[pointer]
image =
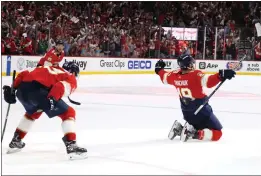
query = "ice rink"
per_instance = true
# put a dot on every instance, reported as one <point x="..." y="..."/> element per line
<point x="124" y="122"/>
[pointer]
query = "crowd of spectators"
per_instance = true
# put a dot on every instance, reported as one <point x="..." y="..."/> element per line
<point x="127" y="29"/>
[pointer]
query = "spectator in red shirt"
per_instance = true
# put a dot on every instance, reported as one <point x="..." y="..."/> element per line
<point x="26" y="45"/>
<point x="12" y="45"/>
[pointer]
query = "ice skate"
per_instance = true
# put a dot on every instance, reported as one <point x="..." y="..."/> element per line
<point x="74" y="152"/>
<point x="16" y="144"/>
<point x="188" y="132"/>
<point x="175" y="130"/>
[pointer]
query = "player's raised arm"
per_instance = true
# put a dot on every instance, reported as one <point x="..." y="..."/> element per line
<point x="166" y="77"/>
<point x="210" y="81"/>
<point x="44" y="58"/>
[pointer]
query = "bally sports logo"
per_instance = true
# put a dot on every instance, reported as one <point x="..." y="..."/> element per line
<point x="234" y="65"/>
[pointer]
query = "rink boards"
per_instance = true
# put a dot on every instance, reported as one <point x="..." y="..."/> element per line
<point x="99" y="65"/>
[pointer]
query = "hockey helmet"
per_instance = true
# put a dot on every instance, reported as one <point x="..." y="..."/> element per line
<point x="72" y="68"/>
<point x="186" y="61"/>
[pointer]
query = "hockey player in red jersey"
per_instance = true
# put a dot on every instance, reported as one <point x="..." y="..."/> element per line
<point x="54" y="56"/>
<point x="41" y="90"/>
<point x="189" y="84"/>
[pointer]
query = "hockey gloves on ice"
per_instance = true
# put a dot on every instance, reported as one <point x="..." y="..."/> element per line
<point x="9" y="95"/>
<point x="159" y="66"/>
<point x="226" y="74"/>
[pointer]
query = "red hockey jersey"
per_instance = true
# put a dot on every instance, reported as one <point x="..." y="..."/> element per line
<point x="61" y="82"/>
<point x="189" y="85"/>
<point x="51" y="58"/>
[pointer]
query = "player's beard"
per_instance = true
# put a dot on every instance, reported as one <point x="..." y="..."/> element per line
<point x="192" y="67"/>
<point x="59" y="49"/>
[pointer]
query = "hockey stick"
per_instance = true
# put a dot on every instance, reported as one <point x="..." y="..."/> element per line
<point x="8" y="108"/>
<point x="73" y="102"/>
<point x="214" y="91"/>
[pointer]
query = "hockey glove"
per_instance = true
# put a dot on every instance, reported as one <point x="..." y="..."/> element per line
<point x="52" y="102"/>
<point x="9" y="95"/>
<point x="159" y="66"/>
<point x="226" y="74"/>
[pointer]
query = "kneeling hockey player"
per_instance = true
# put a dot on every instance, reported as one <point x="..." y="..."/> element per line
<point x="189" y="84"/>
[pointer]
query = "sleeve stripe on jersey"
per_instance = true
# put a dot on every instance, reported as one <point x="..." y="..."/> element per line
<point x="165" y="76"/>
<point x="204" y="81"/>
<point x="67" y="88"/>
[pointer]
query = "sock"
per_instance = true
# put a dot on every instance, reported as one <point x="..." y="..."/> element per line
<point x="209" y="135"/>
<point x="24" y="126"/>
<point x="68" y="127"/>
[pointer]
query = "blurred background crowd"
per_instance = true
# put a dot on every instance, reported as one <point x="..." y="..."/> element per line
<point x="130" y="29"/>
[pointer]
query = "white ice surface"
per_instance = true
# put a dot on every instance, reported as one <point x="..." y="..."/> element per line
<point x="124" y="121"/>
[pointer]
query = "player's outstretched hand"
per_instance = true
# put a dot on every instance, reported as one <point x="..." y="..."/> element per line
<point x="226" y="74"/>
<point x="9" y="95"/>
<point x="159" y="66"/>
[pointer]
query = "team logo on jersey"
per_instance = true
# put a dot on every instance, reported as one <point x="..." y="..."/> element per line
<point x="234" y="65"/>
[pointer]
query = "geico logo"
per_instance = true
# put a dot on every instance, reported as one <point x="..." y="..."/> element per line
<point x="139" y="64"/>
<point x="116" y="63"/>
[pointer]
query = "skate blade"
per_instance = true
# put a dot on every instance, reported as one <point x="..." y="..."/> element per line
<point x="183" y="136"/>
<point x="13" y="150"/>
<point x="77" y="156"/>
<point x="172" y="134"/>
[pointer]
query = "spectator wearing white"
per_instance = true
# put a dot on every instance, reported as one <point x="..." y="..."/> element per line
<point x="26" y="45"/>
<point x="258" y="28"/>
<point x="51" y="43"/>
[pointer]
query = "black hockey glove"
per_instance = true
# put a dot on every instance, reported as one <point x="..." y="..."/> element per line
<point x="159" y="66"/>
<point x="52" y="102"/>
<point x="9" y="95"/>
<point x="226" y="74"/>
